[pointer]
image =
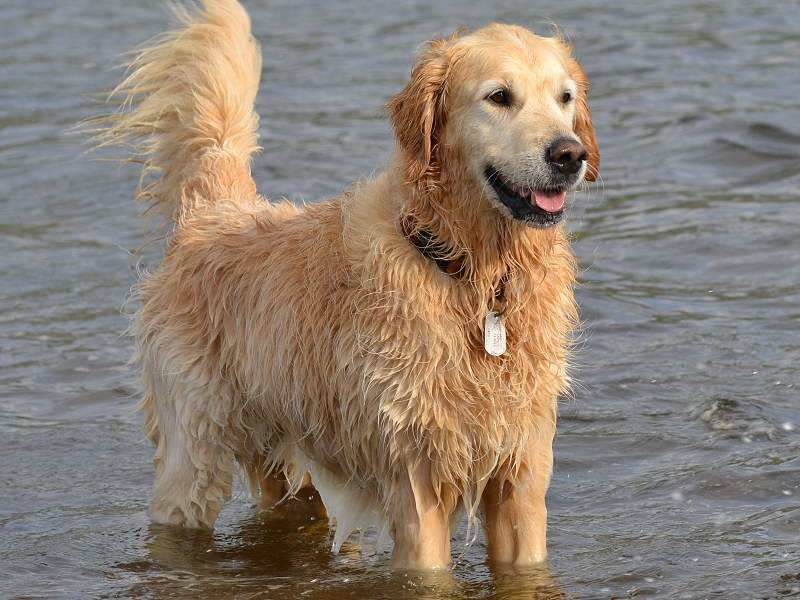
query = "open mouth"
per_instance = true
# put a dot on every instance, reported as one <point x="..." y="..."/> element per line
<point x="537" y="207"/>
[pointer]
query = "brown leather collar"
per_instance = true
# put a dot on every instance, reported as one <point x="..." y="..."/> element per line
<point x="426" y="243"/>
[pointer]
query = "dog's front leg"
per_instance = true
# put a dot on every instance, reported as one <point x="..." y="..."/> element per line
<point x="420" y="522"/>
<point x="515" y="512"/>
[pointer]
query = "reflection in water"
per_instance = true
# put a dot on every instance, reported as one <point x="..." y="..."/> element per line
<point x="286" y="555"/>
<point x="523" y="584"/>
<point x="262" y="553"/>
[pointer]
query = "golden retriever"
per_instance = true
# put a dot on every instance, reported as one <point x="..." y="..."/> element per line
<point x="403" y="344"/>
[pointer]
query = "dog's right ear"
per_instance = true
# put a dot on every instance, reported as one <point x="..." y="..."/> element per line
<point x="417" y="111"/>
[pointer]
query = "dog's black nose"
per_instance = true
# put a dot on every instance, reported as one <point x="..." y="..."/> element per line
<point x="566" y="155"/>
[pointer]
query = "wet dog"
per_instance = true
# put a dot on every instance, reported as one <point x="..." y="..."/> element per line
<point x="403" y="344"/>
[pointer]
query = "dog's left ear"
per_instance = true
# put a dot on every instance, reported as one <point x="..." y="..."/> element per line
<point x="583" y="121"/>
<point x="417" y="111"/>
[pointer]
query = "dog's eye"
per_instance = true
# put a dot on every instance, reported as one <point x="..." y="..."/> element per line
<point x="501" y="97"/>
<point x="566" y="97"/>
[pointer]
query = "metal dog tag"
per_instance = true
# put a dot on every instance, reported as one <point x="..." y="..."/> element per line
<point x="494" y="334"/>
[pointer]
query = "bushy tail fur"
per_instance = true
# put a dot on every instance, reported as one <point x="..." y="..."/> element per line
<point x="188" y="110"/>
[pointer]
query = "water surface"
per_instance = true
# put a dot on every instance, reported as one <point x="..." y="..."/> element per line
<point x="677" y="471"/>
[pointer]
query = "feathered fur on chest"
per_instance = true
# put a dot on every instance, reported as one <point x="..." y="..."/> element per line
<point x="423" y="310"/>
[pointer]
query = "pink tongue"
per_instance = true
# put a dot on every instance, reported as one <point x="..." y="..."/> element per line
<point x="551" y="202"/>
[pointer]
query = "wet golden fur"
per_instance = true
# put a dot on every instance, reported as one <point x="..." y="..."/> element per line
<point x="317" y="338"/>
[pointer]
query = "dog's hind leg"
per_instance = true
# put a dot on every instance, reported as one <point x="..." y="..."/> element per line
<point x="194" y="461"/>
<point x="267" y="485"/>
<point x="273" y="487"/>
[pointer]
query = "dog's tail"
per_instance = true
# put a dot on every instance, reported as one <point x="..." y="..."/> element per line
<point x="188" y="111"/>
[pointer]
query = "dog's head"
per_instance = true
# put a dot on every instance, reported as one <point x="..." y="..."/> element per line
<point x="505" y="108"/>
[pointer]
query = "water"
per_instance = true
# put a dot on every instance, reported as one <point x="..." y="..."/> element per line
<point x="677" y="471"/>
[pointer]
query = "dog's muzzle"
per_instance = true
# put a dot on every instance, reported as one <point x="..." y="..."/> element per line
<point x="542" y="206"/>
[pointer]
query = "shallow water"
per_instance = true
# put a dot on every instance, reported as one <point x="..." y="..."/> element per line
<point x="677" y="471"/>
